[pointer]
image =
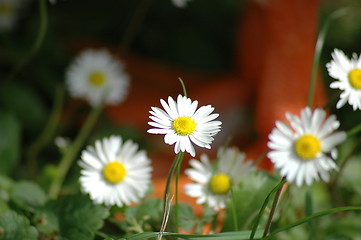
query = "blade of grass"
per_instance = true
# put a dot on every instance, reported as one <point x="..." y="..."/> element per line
<point x="312" y="217"/>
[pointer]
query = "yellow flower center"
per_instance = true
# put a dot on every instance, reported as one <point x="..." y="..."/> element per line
<point x="354" y="78"/>
<point x="184" y="125"/>
<point x="220" y="183"/>
<point x="5" y="9"/>
<point x="97" y="79"/>
<point x="307" y="146"/>
<point x="114" y="172"/>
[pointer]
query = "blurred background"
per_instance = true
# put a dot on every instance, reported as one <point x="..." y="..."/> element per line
<point x="251" y="60"/>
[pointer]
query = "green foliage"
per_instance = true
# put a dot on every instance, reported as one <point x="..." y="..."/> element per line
<point x="9" y="142"/>
<point x="73" y="217"/>
<point x="25" y="104"/>
<point x="248" y="199"/>
<point x="28" y="195"/>
<point x="14" y="226"/>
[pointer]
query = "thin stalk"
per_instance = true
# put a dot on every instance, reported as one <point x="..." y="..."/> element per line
<point x="47" y="133"/>
<point x="134" y="24"/>
<point x="72" y="152"/>
<point x="273" y="209"/>
<point x="318" y="51"/>
<point x="261" y="211"/>
<point x="37" y="43"/>
<point x="176" y="193"/>
<point x="234" y="212"/>
<point x="183" y="87"/>
<point x="353" y="131"/>
<point x="178" y="158"/>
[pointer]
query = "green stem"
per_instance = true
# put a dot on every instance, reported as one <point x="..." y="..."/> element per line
<point x="273" y="209"/>
<point x="47" y="133"/>
<point x="177" y="160"/>
<point x="134" y="24"/>
<point x="234" y="212"/>
<point x="37" y="43"/>
<point x="72" y="152"/>
<point x="261" y="211"/>
<point x="183" y="87"/>
<point x="354" y="131"/>
<point x="318" y="51"/>
<point x="176" y="194"/>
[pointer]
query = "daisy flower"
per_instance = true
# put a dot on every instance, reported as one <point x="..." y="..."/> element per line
<point x="9" y="13"/>
<point x="98" y="77"/>
<point x="115" y="172"/>
<point x="305" y="150"/>
<point x="180" y="3"/>
<point x="182" y="124"/>
<point x="348" y="75"/>
<point x="212" y="183"/>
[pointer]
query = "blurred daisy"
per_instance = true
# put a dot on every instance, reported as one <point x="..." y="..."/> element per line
<point x="182" y="124"/>
<point x="9" y="10"/>
<point x="304" y="151"/>
<point x="212" y="184"/>
<point x="348" y="75"/>
<point x="98" y="77"/>
<point x="180" y="3"/>
<point x="115" y="172"/>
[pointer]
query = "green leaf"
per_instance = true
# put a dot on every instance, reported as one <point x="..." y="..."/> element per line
<point x="14" y="226"/>
<point x="77" y="216"/>
<point x="9" y="142"/>
<point x="46" y="222"/>
<point x="239" y="235"/>
<point x="187" y="219"/>
<point x="28" y="195"/>
<point x="248" y="198"/>
<point x="312" y="217"/>
<point x="5" y="186"/>
<point x="25" y="104"/>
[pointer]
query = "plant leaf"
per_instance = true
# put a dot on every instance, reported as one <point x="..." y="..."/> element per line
<point x="28" y="195"/>
<point x="9" y="143"/>
<point x="77" y="216"/>
<point x="15" y="226"/>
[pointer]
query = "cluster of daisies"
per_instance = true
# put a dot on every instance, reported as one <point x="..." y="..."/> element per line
<point x="117" y="172"/>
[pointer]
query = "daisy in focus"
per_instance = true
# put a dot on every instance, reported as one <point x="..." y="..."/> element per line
<point x="182" y="124"/>
<point x="304" y="151"/>
<point x="9" y="13"/>
<point x="98" y="77"/>
<point x="115" y="172"/>
<point x="212" y="184"/>
<point x="348" y="75"/>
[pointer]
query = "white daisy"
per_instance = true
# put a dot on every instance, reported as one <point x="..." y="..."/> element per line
<point x="98" y="77"/>
<point x="213" y="183"/>
<point x="9" y="13"/>
<point x="348" y="75"/>
<point x="182" y="124"/>
<point x="115" y="172"/>
<point x="180" y="3"/>
<point x="304" y="151"/>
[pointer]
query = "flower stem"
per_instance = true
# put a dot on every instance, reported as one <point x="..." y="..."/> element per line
<point x="176" y="163"/>
<point x="134" y="24"/>
<point x="318" y="50"/>
<point x="183" y="87"/>
<point x="354" y="131"/>
<point x="72" y="152"/>
<point x="274" y="205"/>
<point x="47" y="133"/>
<point x="176" y="194"/>
<point x="234" y="212"/>
<point x="37" y="43"/>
